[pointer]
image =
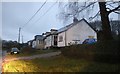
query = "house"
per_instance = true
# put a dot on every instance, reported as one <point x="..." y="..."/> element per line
<point x="30" y="43"/>
<point x="75" y="33"/>
<point x="51" y="38"/>
<point x="38" y="42"/>
<point x="34" y="44"/>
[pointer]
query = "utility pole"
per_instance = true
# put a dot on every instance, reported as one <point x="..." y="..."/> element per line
<point x="19" y="35"/>
<point x="22" y="39"/>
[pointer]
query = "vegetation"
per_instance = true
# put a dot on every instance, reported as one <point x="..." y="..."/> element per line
<point x="98" y="57"/>
<point x="106" y="32"/>
<point x="80" y="9"/>
<point x="105" y="51"/>
<point x="59" y="64"/>
<point x="7" y="45"/>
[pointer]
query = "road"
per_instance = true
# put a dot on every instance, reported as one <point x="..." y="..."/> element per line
<point x="46" y="55"/>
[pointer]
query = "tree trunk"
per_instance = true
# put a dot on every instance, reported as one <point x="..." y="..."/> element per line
<point x="106" y="29"/>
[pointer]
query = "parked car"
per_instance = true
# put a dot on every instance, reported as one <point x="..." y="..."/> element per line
<point x="89" y="41"/>
<point x="15" y="51"/>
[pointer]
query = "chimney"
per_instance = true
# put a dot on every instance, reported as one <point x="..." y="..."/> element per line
<point x="75" y="20"/>
<point x="53" y="30"/>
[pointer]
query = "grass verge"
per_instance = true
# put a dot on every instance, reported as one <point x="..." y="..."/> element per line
<point x="59" y="64"/>
<point x="105" y="51"/>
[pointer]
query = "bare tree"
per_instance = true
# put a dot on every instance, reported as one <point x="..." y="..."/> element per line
<point x="74" y="9"/>
<point x="107" y="35"/>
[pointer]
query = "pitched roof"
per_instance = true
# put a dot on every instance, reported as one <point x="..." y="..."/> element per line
<point x="39" y="37"/>
<point x="50" y="33"/>
<point x="73" y="24"/>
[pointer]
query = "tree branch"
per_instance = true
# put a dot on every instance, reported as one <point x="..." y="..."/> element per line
<point x="117" y="12"/>
<point x="113" y="10"/>
<point x="111" y="5"/>
<point x="85" y="7"/>
<point x="91" y="18"/>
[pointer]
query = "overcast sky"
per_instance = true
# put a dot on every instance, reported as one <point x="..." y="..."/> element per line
<point x="16" y="14"/>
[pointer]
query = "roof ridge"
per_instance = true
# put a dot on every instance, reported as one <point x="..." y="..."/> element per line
<point x="69" y="26"/>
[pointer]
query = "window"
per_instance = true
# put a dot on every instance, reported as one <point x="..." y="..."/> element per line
<point x="60" y="38"/>
<point x="40" y="41"/>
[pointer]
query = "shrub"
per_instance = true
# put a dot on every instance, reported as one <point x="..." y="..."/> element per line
<point x="55" y="48"/>
<point x="105" y="51"/>
<point x="28" y="49"/>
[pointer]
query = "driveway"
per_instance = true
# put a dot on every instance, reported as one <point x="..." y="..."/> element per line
<point x="46" y="55"/>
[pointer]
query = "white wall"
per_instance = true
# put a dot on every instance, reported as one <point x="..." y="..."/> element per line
<point x="34" y="44"/>
<point x="81" y="31"/>
<point x="52" y="40"/>
<point x="39" y="44"/>
<point x="48" y="41"/>
<point x="29" y="43"/>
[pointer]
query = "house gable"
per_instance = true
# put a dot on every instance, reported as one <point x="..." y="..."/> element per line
<point x="73" y="24"/>
<point x="76" y="32"/>
<point x="79" y="32"/>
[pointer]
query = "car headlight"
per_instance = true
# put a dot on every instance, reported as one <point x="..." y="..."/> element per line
<point x="15" y="52"/>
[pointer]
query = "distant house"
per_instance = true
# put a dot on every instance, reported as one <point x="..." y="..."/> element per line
<point x="33" y="44"/>
<point x="38" y="42"/>
<point x="30" y="43"/>
<point x="75" y="33"/>
<point x="51" y="38"/>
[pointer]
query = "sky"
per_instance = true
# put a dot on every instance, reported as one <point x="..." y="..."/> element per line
<point x="16" y="14"/>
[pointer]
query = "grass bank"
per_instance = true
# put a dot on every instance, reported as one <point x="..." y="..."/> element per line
<point x="107" y="51"/>
<point x="59" y="64"/>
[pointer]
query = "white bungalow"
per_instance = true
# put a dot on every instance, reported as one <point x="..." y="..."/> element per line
<point x="51" y="39"/>
<point x="75" y="33"/>
<point x="38" y="42"/>
<point x="34" y="44"/>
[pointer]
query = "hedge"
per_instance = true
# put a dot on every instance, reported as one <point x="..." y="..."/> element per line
<point x="105" y="51"/>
